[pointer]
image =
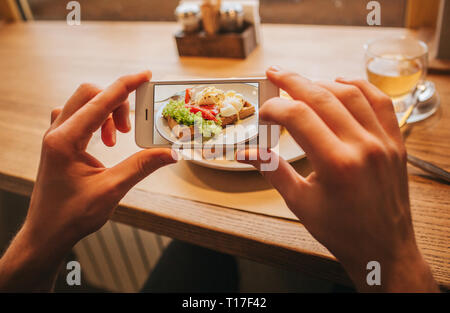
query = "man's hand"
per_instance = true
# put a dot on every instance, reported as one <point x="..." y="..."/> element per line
<point x="356" y="200"/>
<point x="74" y="194"/>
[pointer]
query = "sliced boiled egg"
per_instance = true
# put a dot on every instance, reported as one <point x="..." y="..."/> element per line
<point x="234" y="99"/>
<point x="228" y="110"/>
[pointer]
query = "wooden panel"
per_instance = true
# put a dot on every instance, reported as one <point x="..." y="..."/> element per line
<point x="327" y="12"/>
<point x="421" y="13"/>
<point x="122" y="10"/>
<point x="443" y="33"/>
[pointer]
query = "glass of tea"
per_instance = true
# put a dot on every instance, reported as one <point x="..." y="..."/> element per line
<point x="397" y="66"/>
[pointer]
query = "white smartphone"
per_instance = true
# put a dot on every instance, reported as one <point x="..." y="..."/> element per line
<point x="203" y="113"/>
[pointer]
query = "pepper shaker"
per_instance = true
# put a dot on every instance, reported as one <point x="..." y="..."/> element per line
<point x="231" y="17"/>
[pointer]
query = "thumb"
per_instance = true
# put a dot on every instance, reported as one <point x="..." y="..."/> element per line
<point x="129" y="172"/>
<point x="280" y="174"/>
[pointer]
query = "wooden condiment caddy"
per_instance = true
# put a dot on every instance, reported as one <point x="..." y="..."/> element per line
<point x="220" y="45"/>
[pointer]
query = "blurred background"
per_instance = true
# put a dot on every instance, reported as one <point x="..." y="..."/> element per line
<point x="327" y="12"/>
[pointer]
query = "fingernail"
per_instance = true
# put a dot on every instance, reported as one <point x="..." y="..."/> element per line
<point x="274" y="68"/>
<point x="147" y="73"/>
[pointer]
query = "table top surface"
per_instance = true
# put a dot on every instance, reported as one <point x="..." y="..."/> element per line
<point x="42" y="63"/>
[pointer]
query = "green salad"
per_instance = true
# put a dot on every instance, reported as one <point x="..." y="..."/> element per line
<point x="182" y="115"/>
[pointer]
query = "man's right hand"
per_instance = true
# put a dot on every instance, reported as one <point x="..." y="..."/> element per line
<point x="356" y="200"/>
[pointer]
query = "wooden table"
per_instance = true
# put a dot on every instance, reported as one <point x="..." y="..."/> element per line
<point x="42" y="63"/>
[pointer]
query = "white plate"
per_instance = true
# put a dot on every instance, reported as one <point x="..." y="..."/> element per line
<point x="249" y="124"/>
<point x="289" y="150"/>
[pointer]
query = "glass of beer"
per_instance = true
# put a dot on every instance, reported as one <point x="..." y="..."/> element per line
<point x="397" y="66"/>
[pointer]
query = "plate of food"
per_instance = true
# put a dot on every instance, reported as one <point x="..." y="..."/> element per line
<point x="216" y="113"/>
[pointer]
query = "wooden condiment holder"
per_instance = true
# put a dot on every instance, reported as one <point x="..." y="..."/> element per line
<point x="221" y="45"/>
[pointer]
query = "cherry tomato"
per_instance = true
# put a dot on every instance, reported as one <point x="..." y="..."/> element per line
<point x="206" y="114"/>
<point x="187" y="97"/>
<point x="212" y="108"/>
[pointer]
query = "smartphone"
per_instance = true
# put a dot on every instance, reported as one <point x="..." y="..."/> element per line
<point x="204" y="113"/>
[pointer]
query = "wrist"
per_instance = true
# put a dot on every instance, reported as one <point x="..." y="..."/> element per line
<point x="409" y="274"/>
<point x="406" y="271"/>
<point x="31" y="262"/>
<point x="46" y="241"/>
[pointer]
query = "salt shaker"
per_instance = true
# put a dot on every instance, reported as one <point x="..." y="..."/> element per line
<point x="188" y="14"/>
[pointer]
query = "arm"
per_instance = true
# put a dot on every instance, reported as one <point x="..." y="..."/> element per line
<point x="75" y="194"/>
<point x="355" y="202"/>
<point x="29" y="264"/>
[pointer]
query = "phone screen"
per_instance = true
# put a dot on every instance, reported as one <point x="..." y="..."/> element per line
<point x="210" y="114"/>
